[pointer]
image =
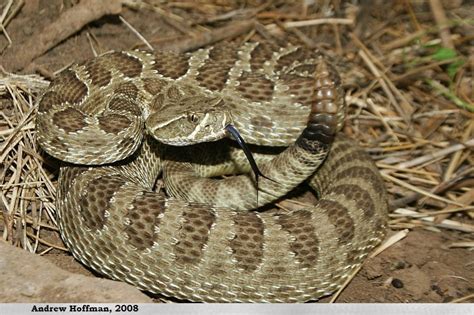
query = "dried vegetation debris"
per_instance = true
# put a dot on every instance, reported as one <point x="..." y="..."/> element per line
<point x="407" y="67"/>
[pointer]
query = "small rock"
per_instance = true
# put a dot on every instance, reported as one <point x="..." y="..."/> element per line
<point x="29" y="278"/>
<point x="397" y="283"/>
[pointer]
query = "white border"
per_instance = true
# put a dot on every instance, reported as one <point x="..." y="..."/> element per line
<point x="265" y="309"/>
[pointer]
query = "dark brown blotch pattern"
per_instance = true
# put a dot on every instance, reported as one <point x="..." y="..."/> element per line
<point x="71" y="88"/>
<point x="305" y="244"/>
<point x="194" y="234"/>
<point x="255" y="87"/>
<point x="171" y="65"/>
<point x="96" y="200"/>
<point x="119" y="103"/>
<point x="154" y="85"/>
<point x="68" y="175"/>
<point x="124" y="99"/>
<point x="50" y="99"/>
<point x="99" y="71"/>
<point x="130" y="66"/>
<point x="339" y="216"/>
<point x="297" y="55"/>
<point x="359" y="195"/>
<point x="306" y="69"/>
<point x="214" y="73"/>
<point x="144" y="218"/>
<point x="226" y="52"/>
<point x="114" y="123"/>
<point x="69" y="119"/>
<point x="341" y="155"/>
<point x="157" y="102"/>
<point x="302" y="88"/>
<point x="247" y="246"/>
<point x="366" y="174"/>
<point x="128" y="89"/>
<point x="173" y="93"/>
<point x="261" y="54"/>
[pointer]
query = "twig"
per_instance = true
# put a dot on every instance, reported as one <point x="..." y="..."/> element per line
<point x="91" y="44"/>
<point x="226" y="32"/>
<point x="402" y="109"/>
<point x="345" y="284"/>
<point x="466" y="198"/>
<point x="68" y="23"/>
<point x="288" y="25"/>
<point x="450" y="95"/>
<point x="140" y="36"/>
<point x="5" y="11"/>
<point x="419" y="190"/>
<point x="13" y="13"/>
<point x="239" y="14"/>
<point x="400" y="42"/>
<point x="455" y="159"/>
<point x="448" y="224"/>
<point x="462" y="299"/>
<point x="461" y="244"/>
<point x="441" y="20"/>
<point x="4" y="31"/>
<point x="317" y="22"/>
<point x="176" y="21"/>
<point x="382" y="119"/>
<point x="46" y="242"/>
<point x="390" y="242"/>
<point x="435" y="155"/>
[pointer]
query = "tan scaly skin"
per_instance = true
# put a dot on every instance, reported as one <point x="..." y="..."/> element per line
<point x="113" y="222"/>
<point x="282" y="173"/>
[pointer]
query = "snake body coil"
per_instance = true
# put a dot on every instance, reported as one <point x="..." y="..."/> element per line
<point x="111" y="219"/>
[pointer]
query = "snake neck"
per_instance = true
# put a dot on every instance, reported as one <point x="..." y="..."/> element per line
<point x="257" y="127"/>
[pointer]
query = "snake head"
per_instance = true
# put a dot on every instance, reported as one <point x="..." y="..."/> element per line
<point x="190" y="125"/>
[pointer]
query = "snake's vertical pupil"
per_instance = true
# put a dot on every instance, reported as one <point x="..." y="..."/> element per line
<point x="193" y="118"/>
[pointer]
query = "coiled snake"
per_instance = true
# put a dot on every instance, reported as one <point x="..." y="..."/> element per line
<point x="108" y="113"/>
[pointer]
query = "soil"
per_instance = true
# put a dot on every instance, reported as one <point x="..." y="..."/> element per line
<point x="420" y="268"/>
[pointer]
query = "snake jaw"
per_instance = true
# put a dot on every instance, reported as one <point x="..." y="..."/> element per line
<point x="190" y="127"/>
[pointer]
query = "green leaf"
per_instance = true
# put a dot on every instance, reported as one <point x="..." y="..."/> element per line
<point x="443" y="54"/>
<point x="438" y="87"/>
<point x="454" y="67"/>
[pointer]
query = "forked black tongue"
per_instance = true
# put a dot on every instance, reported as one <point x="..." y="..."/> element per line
<point x="248" y="154"/>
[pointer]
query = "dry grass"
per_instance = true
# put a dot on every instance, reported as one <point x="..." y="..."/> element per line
<point x="409" y="90"/>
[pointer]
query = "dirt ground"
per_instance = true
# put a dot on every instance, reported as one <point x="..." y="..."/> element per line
<point x="423" y="267"/>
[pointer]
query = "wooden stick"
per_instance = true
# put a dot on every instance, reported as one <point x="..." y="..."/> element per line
<point x="226" y="32"/>
<point x="68" y="23"/>
<point x="420" y="191"/>
<point x="442" y="21"/>
<point x="437" y="154"/>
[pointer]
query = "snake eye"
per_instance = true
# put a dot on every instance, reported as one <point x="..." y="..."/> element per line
<point x="193" y="118"/>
